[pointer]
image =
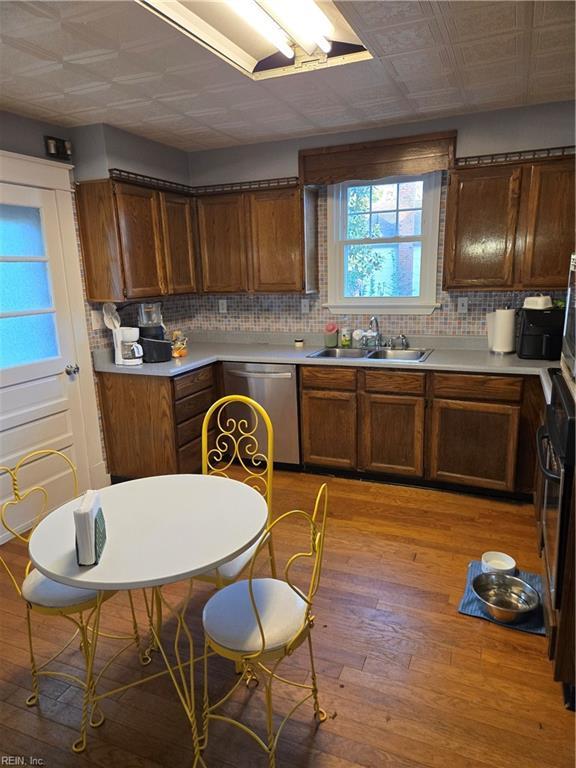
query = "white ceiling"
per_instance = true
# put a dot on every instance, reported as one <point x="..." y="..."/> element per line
<point x="82" y="62"/>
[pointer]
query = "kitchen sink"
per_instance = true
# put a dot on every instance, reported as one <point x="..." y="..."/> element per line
<point x="408" y="355"/>
<point x="338" y="352"/>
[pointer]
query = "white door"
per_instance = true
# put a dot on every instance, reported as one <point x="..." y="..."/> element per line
<point x="39" y="392"/>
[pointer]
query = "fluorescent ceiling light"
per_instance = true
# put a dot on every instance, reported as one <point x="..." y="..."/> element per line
<point x="303" y="21"/>
<point x="261" y="22"/>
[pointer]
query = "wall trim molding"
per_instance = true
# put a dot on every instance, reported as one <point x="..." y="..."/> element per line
<point x="524" y="156"/>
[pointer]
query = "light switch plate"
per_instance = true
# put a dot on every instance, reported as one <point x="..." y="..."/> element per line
<point x="305" y="306"/>
<point x="222" y="306"/>
<point x="463" y="305"/>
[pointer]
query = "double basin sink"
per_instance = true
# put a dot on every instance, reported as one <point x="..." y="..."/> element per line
<point x="405" y="355"/>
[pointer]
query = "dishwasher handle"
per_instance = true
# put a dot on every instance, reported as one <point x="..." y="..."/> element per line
<point x="258" y="374"/>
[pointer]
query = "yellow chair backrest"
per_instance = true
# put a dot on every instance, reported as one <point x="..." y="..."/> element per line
<point x="315" y="524"/>
<point x="19" y="497"/>
<point x="230" y="443"/>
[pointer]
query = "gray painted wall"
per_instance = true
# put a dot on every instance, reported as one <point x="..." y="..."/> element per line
<point x="534" y="127"/>
<point x="26" y="136"/>
<point x="133" y="153"/>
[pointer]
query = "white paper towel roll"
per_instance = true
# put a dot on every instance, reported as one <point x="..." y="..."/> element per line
<point x="501" y="330"/>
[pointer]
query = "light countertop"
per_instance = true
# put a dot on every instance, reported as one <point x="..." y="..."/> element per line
<point x="205" y="353"/>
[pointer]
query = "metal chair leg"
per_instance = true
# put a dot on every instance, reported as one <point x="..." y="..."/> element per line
<point x="319" y="713"/>
<point x="33" y="698"/>
<point x="270" y="723"/>
<point x="143" y="653"/>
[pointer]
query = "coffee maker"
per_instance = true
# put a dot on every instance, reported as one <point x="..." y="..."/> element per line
<point x="155" y="348"/>
<point x="127" y="351"/>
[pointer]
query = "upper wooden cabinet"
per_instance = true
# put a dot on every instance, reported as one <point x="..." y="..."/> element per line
<point x="222" y="239"/>
<point x="261" y="241"/>
<point x="510" y="227"/>
<point x="136" y="242"/>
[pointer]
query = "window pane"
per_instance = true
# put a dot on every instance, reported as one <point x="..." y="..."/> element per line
<point x="27" y="339"/>
<point x="20" y="231"/>
<point x="382" y="270"/>
<point x="409" y="223"/>
<point x="358" y="199"/>
<point x="410" y="194"/>
<point x="384" y="197"/>
<point x="384" y="225"/>
<point x="358" y="226"/>
<point x="24" y="285"/>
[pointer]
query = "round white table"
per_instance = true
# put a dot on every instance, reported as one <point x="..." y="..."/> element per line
<point x="159" y="530"/>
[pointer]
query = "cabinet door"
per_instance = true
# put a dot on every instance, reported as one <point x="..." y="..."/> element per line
<point x="178" y="243"/>
<point x="141" y="240"/>
<point x="329" y="428"/>
<point x="549" y="225"/>
<point x="276" y="240"/>
<point x="391" y="434"/>
<point x="474" y="443"/>
<point x="481" y="219"/>
<point x="223" y="236"/>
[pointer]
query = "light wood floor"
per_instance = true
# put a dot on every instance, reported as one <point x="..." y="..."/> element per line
<point x="406" y="680"/>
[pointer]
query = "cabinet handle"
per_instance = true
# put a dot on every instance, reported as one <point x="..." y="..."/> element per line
<point x="255" y="375"/>
<point x="541" y="436"/>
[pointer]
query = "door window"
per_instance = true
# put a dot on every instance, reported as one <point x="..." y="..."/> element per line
<point x="27" y="314"/>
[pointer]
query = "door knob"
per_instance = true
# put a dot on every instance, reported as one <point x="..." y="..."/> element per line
<point x="72" y="369"/>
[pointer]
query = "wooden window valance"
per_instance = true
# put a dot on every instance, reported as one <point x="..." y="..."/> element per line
<point x="408" y="155"/>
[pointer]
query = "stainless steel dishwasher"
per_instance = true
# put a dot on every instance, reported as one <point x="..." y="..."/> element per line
<point x="274" y="387"/>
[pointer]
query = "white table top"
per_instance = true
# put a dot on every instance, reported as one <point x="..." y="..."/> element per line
<point x="159" y="530"/>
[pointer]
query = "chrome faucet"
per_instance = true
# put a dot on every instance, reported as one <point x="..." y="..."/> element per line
<point x="404" y="343"/>
<point x="374" y="326"/>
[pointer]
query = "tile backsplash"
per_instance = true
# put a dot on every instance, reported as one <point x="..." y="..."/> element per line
<point x="282" y="312"/>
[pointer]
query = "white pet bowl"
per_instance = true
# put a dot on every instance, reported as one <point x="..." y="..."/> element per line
<point x="498" y="562"/>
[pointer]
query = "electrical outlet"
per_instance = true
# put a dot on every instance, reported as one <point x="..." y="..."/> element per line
<point x="463" y="305"/>
<point x="96" y="320"/>
<point x="222" y="306"/>
<point x="305" y="306"/>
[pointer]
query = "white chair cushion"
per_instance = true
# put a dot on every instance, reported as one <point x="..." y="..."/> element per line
<point x="230" y="571"/>
<point x="40" y="590"/>
<point x="229" y="618"/>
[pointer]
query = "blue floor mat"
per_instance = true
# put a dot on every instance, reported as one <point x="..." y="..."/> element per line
<point x="471" y="606"/>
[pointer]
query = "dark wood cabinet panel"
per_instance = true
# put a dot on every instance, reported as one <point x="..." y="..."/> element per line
<point x="477" y="386"/>
<point x="141" y="239"/>
<point x="189" y="383"/>
<point x="392" y="382"/>
<point x="549" y="237"/>
<point x="328" y="377"/>
<point x="276" y="240"/>
<point x="177" y="228"/>
<point x="481" y="220"/>
<point x="223" y="239"/>
<point x="391" y="434"/>
<point x="328" y="431"/>
<point x="473" y="443"/>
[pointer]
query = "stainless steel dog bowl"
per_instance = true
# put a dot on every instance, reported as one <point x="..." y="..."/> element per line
<point x="507" y="598"/>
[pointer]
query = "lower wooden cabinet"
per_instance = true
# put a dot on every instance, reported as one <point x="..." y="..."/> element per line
<point x="329" y="428"/>
<point x="153" y="424"/>
<point x="473" y="443"/>
<point x="391" y="434"/>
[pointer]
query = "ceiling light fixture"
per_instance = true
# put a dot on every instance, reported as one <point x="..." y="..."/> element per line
<point x="263" y="24"/>
<point x="303" y="21"/>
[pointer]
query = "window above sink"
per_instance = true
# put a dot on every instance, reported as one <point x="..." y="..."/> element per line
<point x="383" y="245"/>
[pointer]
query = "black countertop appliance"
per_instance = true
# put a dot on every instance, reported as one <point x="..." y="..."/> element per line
<point x="539" y="333"/>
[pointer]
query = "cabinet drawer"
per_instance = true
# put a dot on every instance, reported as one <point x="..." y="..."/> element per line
<point x="477" y="387"/>
<point x="193" y="382"/>
<point x="395" y="382"/>
<point x="193" y="405"/>
<point x="190" y="455"/>
<point x="328" y="378"/>
<point x="189" y="430"/>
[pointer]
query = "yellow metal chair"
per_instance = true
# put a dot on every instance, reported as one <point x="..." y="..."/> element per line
<point x="257" y="623"/>
<point x="230" y="448"/>
<point x="45" y="596"/>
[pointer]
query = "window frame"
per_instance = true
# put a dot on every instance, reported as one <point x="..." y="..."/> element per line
<point x="426" y="302"/>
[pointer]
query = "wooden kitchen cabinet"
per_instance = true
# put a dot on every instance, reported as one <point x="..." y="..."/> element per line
<point x="481" y="217"/>
<point x="136" y="242"/>
<point x="261" y="241"/>
<point x="391" y="422"/>
<point x="510" y="226"/>
<point x="223" y="238"/>
<point x="152" y="424"/>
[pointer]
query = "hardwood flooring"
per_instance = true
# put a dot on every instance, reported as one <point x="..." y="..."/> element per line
<point x="406" y="680"/>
